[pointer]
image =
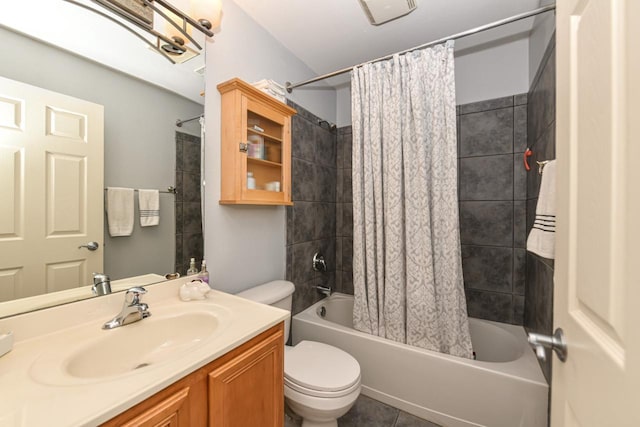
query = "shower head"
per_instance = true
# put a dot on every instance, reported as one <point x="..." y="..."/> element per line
<point x="328" y="125"/>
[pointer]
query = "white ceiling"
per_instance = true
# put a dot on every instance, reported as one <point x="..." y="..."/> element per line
<point x="328" y="35"/>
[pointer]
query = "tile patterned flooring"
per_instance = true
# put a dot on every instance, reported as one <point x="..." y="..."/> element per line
<point x="368" y="412"/>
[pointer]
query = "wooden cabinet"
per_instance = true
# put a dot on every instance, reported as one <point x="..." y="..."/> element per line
<point x="245" y="387"/>
<point x="256" y="140"/>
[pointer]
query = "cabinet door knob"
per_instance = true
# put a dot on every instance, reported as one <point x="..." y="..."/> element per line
<point x="244" y="147"/>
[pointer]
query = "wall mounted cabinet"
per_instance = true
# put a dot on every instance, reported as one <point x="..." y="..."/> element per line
<point x="255" y="146"/>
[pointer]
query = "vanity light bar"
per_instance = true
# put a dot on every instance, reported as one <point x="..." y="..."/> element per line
<point x="174" y="45"/>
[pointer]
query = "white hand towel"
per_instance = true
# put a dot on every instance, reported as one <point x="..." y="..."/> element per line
<point x="149" y="203"/>
<point x="120" y="211"/>
<point x="542" y="238"/>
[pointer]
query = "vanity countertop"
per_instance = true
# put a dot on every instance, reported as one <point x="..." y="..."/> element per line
<point x="32" y="395"/>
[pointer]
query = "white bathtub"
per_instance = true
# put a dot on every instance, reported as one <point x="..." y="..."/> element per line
<point x="503" y="388"/>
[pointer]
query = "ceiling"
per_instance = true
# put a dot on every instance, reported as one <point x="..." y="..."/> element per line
<point x="328" y="35"/>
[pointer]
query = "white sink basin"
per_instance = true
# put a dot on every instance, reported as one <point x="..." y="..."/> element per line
<point x="136" y="347"/>
<point x="141" y="344"/>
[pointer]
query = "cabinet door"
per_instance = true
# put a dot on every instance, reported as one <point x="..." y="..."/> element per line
<point x="268" y="152"/>
<point x="248" y="390"/>
<point x="170" y="412"/>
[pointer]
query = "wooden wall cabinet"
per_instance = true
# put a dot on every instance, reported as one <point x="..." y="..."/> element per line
<point x="256" y="139"/>
<point x="245" y="387"/>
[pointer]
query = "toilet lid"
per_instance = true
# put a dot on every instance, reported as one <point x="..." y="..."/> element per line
<point x="321" y="367"/>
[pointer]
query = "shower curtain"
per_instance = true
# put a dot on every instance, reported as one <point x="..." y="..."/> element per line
<point x="407" y="267"/>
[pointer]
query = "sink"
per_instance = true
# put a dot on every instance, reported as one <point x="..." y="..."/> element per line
<point x="141" y="344"/>
<point x="136" y="347"/>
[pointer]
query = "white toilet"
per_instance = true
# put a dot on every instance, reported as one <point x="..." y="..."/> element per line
<point x="321" y="382"/>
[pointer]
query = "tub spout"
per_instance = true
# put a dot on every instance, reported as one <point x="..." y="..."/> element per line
<point x="326" y="290"/>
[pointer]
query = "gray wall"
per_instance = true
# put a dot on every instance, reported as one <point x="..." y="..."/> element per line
<point x="538" y="314"/>
<point x="246" y="245"/>
<point x="139" y="139"/>
<point x="311" y="221"/>
<point x="492" y="135"/>
<point x="542" y="30"/>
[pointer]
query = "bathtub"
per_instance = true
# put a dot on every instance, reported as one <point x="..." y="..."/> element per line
<point x="504" y="387"/>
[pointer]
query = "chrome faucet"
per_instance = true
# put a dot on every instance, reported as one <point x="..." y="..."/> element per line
<point x="132" y="311"/>
<point x="101" y="284"/>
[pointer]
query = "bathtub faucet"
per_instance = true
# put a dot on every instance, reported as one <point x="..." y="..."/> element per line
<point x="326" y="290"/>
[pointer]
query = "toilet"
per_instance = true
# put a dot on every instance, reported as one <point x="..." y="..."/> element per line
<point x="321" y="382"/>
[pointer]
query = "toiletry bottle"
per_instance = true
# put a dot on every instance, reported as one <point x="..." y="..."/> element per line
<point x="251" y="181"/>
<point x="204" y="274"/>
<point x="192" y="267"/>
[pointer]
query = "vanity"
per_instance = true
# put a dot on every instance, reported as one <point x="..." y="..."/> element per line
<point x="217" y="361"/>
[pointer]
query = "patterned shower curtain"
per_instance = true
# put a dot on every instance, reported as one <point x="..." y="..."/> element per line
<point x="407" y="267"/>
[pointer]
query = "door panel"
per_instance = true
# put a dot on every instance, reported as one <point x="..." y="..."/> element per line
<point x="11" y="185"/>
<point x="66" y="195"/>
<point x="11" y="113"/>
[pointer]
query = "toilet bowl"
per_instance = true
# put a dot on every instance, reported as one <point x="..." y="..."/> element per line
<point x="321" y="382"/>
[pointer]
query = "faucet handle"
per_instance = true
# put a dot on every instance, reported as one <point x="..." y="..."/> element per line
<point x="132" y="296"/>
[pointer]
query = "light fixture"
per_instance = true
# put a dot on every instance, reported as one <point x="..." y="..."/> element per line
<point x="170" y="27"/>
<point x="208" y="12"/>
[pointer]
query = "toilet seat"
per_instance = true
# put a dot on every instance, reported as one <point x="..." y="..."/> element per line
<point x="320" y="370"/>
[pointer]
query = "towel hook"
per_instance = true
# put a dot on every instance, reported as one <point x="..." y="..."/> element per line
<point x="528" y="153"/>
<point x="541" y="165"/>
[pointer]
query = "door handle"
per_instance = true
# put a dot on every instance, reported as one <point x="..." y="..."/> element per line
<point x="555" y="342"/>
<point x="92" y="246"/>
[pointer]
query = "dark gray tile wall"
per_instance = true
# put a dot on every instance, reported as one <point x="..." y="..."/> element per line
<point x="311" y="221"/>
<point x="189" y="241"/>
<point x="344" y="212"/>
<point x="538" y="302"/>
<point x="492" y="192"/>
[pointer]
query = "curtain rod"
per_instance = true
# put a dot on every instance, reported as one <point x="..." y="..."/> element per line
<point x="290" y="86"/>
<point x="179" y="123"/>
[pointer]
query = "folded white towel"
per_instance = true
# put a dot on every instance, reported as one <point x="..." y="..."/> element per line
<point x="120" y="211"/>
<point x="149" y="204"/>
<point x="542" y="238"/>
<point x="271" y="84"/>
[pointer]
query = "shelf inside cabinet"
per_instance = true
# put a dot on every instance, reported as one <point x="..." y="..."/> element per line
<point x="263" y="162"/>
<point x="264" y="135"/>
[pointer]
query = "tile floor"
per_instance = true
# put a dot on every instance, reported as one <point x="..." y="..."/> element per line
<point x="368" y="412"/>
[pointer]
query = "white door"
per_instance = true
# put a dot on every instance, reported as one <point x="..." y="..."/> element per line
<point x="597" y="286"/>
<point x="51" y="184"/>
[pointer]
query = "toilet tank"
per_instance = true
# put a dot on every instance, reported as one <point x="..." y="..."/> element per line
<point x="278" y="293"/>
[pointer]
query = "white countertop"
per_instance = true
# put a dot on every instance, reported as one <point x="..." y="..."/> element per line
<point x="27" y="400"/>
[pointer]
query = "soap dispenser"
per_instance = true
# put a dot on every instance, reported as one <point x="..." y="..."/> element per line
<point x="204" y="274"/>
<point x="192" y="267"/>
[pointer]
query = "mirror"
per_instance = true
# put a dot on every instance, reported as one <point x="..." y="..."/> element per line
<point x="59" y="47"/>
